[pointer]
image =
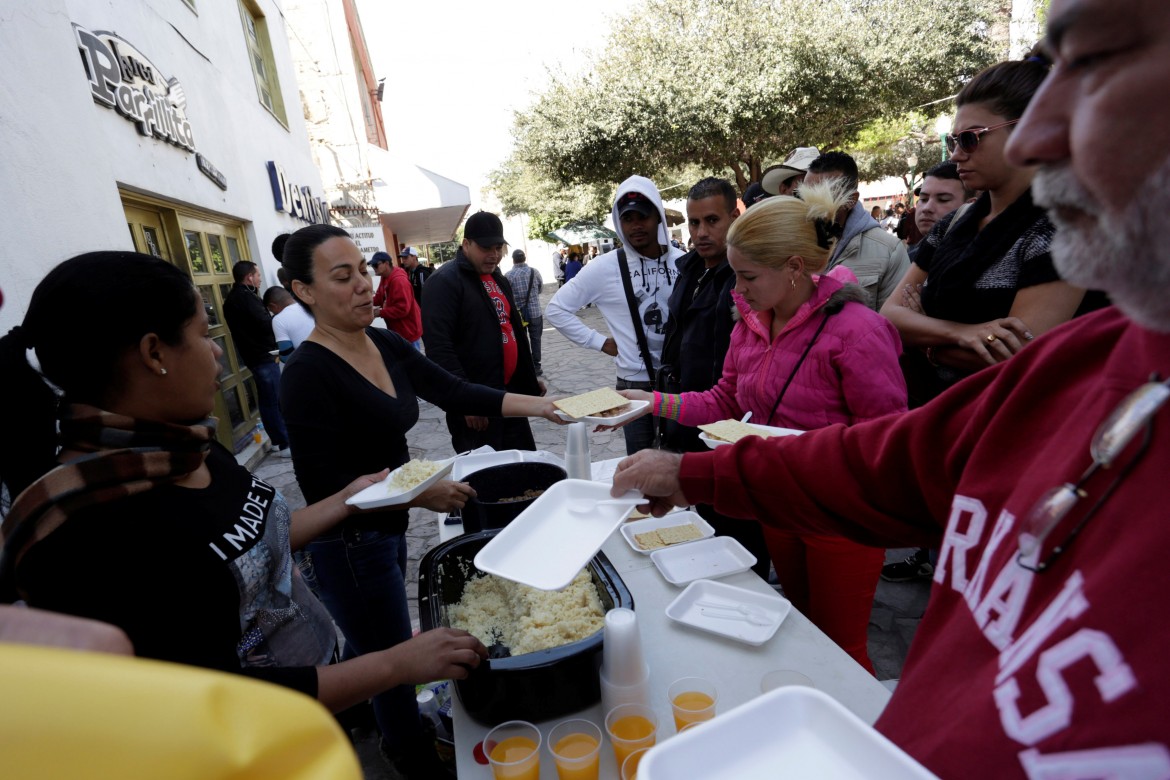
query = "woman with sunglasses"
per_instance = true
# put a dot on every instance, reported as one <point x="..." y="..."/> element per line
<point x="982" y="283"/>
<point x="122" y="506"/>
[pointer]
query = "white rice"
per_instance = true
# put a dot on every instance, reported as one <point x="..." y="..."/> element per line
<point x="412" y="473"/>
<point x="525" y="619"/>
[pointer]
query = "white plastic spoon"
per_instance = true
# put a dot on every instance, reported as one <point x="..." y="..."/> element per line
<point x="755" y="620"/>
<point x="583" y="505"/>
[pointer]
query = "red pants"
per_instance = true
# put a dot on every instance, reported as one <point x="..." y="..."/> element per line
<point x="831" y="580"/>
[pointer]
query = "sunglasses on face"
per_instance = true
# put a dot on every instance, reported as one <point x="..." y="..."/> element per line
<point x="968" y="140"/>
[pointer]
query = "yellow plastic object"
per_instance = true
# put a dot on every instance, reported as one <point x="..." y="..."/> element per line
<point x="70" y="714"/>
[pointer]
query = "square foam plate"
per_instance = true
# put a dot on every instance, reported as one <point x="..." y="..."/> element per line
<point x="547" y="544"/>
<point x="718" y="556"/>
<point x="768" y="429"/>
<point x="381" y="494"/>
<point x="635" y="408"/>
<point x="634" y="527"/>
<point x="793" y="731"/>
<point x="770" y="611"/>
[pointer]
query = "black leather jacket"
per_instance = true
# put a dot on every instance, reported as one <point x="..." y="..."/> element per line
<point x="462" y="330"/>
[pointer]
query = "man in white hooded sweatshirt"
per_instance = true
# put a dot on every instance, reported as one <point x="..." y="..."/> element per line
<point x="650" y="261"/>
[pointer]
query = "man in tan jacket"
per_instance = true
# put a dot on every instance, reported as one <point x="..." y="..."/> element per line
<point x="877" y="258"/>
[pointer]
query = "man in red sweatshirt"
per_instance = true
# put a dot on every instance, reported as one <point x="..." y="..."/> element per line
<point x="1041" y="480"/>
<point x="394" y="301"/>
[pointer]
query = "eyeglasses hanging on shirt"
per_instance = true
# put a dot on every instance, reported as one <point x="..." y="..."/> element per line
<point x="1113" y="436"/>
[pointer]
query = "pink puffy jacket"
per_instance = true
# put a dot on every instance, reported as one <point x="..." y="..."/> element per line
<point x="851" y="373"/>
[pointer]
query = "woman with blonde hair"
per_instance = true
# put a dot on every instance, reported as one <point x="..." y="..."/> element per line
<point x="807" y="353"/>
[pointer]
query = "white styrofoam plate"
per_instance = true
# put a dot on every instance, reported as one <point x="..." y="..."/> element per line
<point x="381" y="494"/>
<point x="547" y="544"/>
<point x="767" y="611"/>
<point x="634" y="527"/>
<point x="768" y="429"/>
<point x="793" y="731"/>
<point x="635" y="408"/>
<point x="486" y="457"/>
<point x="718" y="556"/>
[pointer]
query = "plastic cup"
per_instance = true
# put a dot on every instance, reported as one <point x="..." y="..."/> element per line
<point x="576" y="748"/>
<point x="621" y="652"/>
<point x="690" y="726"/>
<point x="783" y="677"/>
<point x="630" y="765"/>
<point x="513" y="750"/>
<point x="692" y="699"/>
<point x="631" y="727"/>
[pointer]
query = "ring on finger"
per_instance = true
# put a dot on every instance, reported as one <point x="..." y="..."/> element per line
<point x="991" y="338"/>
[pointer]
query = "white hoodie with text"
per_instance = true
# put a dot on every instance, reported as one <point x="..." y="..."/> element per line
<point x="600" y="283"/>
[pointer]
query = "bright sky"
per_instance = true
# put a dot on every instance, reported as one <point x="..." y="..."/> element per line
<point x="456" y="70"/>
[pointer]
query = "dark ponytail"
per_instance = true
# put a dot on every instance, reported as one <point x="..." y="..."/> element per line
<point x="1007" y="87"/>
<point x="129" y="296"/>
<point x="297" y="253"/>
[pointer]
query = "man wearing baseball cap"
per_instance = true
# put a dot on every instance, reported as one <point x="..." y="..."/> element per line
<point x="638" y="278"/>
<point x="415" y="271"/>
<point x="783" y="179"/>
<point x="394" y="301"/>
<point x="475" y="330"/>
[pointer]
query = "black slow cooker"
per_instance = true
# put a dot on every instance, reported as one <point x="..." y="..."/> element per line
<point x="535" y="686"/>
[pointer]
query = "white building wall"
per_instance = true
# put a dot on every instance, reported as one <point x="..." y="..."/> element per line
<point x="65" y="155"/>
<point x="329" y="83"/>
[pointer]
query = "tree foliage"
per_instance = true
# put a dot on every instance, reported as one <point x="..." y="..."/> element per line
<point x="906" y="146"/>
<point x="735" y="85"/>
<point x="549" y="204"/>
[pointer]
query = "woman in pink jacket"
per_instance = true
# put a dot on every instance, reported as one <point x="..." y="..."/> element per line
<point x="805" y="354"/>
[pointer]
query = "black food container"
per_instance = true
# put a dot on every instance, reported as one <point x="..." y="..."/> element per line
<point x="535" y="686"/>
<point x="506" y="481"/>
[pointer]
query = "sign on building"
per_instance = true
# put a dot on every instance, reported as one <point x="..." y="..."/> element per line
<point x="368" y="238"/>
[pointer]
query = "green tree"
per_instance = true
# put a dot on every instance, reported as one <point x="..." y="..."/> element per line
<point x="549" y="204"/>
<point x="733" y="85"/>
<point x="905" y="146"/>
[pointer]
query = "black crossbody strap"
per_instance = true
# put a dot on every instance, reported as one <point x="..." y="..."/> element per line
<point x="796" y="368"/>
<point x="643" y="345"/>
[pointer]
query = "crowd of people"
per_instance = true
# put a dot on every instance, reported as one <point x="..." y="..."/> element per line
<point x="964" y="387"/>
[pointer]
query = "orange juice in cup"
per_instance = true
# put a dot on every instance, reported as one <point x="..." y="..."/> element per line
<point x="630" y="727"/>
<point x="630" y="765"/>
<point x="513" y="750"/>
<point x="576" y="748"/>
<point x="693" y="700"/>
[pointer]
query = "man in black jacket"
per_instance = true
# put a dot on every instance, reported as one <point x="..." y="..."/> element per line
<point x="474" y="330"/>
<point x="415" y="271"/>
<point x="251" y="326"/>
<point x="698" y="334"/>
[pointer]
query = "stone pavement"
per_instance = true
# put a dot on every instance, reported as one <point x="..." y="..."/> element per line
<point x="569" y="370"/>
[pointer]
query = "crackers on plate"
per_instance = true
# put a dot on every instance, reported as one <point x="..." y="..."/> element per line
<point x="591" y="403"/>
<point x="664" y="537"/>
<point x="732" y="430"/>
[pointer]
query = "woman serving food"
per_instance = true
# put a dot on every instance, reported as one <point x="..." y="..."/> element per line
<point x="349" y="395"/>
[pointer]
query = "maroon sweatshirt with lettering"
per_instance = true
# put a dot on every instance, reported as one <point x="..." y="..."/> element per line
<point x="1012" y="673"/>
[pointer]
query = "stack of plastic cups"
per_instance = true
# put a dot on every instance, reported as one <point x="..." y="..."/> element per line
<point x="625" y="675"/>
<point x="577" y="463"/>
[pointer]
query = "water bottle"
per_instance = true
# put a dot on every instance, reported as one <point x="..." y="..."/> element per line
<point x="577" y="462"/>
<point x="258" y="434"/>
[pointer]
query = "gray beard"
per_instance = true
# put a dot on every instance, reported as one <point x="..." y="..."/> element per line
<point x="1128" y="256"/>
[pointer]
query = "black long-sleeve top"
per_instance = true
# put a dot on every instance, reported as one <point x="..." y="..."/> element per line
<point x="342" y="426"/>
<point x="250" y="324"/>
